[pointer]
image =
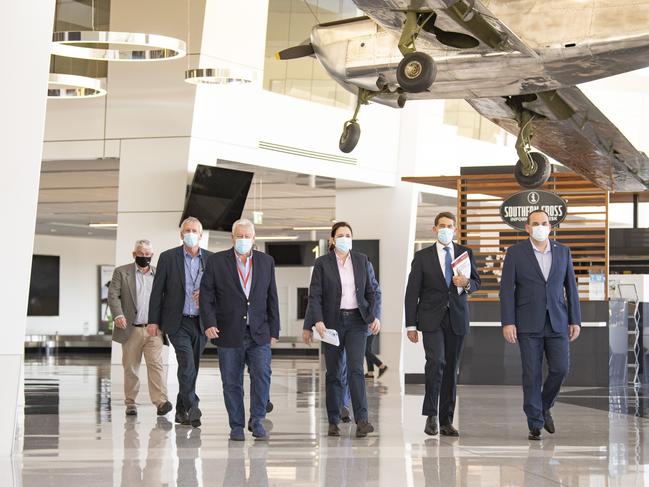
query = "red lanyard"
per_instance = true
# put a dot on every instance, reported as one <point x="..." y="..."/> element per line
<point x="247" y="276"/>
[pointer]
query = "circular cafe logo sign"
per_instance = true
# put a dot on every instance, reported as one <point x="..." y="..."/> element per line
<point x="515" y="209"/>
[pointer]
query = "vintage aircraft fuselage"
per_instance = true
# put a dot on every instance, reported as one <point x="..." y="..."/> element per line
<point x="575" y="41"/>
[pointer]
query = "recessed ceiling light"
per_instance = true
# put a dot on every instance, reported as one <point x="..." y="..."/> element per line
<point x="311" y="228"/>
<point x="278" y="237"/>
<point x="102" y="225"/>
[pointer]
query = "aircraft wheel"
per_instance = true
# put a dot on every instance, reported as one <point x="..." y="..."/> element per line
<point x="349" y="137"/>
<point x="539" y="177"/>
<point x="416" y="72"/>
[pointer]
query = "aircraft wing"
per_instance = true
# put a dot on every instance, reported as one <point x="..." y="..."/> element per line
<point x="469" y="17"/>
<point x="571" y="129"/>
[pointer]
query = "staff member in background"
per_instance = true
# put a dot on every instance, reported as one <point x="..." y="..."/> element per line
<point x="174" y="310"/>
<point x="539" y="308"/>
<point x="240" y="310"/>
<point x="436" y="305"/>
<point x="342" y="297"/>
<point x="128" y="298"/>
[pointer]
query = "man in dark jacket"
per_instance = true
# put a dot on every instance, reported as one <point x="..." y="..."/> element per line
<point x="240" y="310"/>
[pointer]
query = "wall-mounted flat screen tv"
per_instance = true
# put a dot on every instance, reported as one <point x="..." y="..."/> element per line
<point x="297" y="254"/>
<point x="44" y="286"/>
<point x="217" y="196"/>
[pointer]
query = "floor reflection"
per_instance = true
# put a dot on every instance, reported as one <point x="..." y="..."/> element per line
<point x="75" y="433"/>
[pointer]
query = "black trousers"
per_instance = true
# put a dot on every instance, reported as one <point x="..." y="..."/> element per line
<point x="370" y="357"/>
<point x="189" y="342"/>
<point x="443" y="349"/>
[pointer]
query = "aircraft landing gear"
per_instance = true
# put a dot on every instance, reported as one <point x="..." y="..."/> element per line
<point x="533" y="168"/>
<point x="351" y="129"/>
<point x="416" y="71"/>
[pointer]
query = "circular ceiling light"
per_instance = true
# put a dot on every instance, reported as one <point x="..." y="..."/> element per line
<point x="216" y="76"/>
<point x="69" y="86"/>
<point x="117" y="46"/>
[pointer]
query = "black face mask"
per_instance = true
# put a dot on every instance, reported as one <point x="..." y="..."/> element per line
<point x="142" y="261"/>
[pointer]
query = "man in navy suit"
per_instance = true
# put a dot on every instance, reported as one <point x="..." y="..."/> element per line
<point x="173" y="310"/>
<point x="436" y="305"/>
<point x="539" y="308"/>
<point x="239" y="306"/>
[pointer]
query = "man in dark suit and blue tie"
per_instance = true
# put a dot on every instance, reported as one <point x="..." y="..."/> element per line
<point x="240" y="309"/>
<point x="436" y="305"/>
<point x="539" y="308"/>
<point x="173" y="310"/>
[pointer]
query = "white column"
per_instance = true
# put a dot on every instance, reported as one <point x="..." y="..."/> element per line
<point x="153" y="177"/>
<point x="25" y="34"/>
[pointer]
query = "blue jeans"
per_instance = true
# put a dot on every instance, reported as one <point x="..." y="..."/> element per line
<point x="352" y="334"/>
<point x="538" y="399"/>
<point x="347" y="396"/>
<point x="189" y="342"/>
<point x="232" y="363"/>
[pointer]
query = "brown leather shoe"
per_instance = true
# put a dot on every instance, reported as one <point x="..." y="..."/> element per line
<point x="448" y="430"/>
<point x="334" y="430"/>
<point x="363" y="428"/>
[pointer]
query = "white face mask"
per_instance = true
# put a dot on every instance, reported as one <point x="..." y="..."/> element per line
<point x="343" y="244"/>
<point x="540" y="233"/>
<point x="445" y="235"/>
<point x="190" y="240"/>
<point x="243" y="245"/>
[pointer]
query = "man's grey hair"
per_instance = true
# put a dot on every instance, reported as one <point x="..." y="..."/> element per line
<point x="243" y="222"/>
<point x="191" y="219"/>
<point x="142" y="243"/>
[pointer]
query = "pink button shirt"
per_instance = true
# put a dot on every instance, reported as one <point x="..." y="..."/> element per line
<point x="346" y="270"/>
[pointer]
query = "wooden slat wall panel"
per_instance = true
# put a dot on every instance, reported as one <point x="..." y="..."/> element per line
<point x="480" y="227"/>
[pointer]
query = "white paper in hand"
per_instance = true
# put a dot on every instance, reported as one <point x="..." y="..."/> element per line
<point x="330" y="336"/>
<point x="462" y="267"/>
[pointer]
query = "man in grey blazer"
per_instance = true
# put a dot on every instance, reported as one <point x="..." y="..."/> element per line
<point x="128" y="299"/>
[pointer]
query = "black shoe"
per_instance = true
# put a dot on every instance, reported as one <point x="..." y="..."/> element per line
<point x="535" y="434"/>
<point x="363" y="428"/>
<point x="250" y="425"/>
<point x="431" y="426"/>
<point x="382" y="371"/>
<point x="344" y="415"/>
<point x="448" y="430"/>
<point x="181" y="417"/>
<point x="131" y="410"/>
<point x="269" y="407"/>
<point x="193" y="417"/>
<point x="548" y="422"/>
<point x="334" y="430"/>
<point x="164" y="408"/>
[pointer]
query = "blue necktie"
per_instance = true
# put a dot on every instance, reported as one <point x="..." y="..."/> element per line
<point x="447" y="266"/>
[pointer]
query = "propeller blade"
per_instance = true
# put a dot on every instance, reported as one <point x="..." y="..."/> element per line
<point x="295" y="52"/>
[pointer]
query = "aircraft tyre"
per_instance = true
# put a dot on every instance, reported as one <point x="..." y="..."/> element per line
<point x="349" y="137"/>
<point x="416" y="72"/>
<point x="542" y="174"/>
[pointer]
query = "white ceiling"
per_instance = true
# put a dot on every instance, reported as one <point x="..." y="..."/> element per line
<point x="76" y="193"/>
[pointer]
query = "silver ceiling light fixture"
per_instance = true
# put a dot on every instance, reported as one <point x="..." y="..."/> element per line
<point x="71" y="87"/>
<point x="213" y="76"/>
<point x="104" y="45"/>
<point x="117" y="46"/>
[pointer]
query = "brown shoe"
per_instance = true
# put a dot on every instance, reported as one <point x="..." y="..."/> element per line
<point x="448" y="430"/>
<point x="363" y="428"/>
<point x="334" y="430"/>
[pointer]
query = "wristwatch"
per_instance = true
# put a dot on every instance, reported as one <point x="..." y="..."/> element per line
<point x="467" y="288"/>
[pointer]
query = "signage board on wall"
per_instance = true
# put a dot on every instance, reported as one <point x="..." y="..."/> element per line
<point x="517" y="207"/>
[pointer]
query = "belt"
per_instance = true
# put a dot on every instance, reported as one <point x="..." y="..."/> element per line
<point x="349" y="312"/>
<point x="193" y="317"/>
<point x="139" y="325"/>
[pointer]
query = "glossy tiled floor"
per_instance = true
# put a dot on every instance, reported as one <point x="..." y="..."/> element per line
<point x="75" y="434"/>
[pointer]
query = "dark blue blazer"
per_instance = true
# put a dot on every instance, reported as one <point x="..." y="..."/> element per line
<point x="223" y="303"/>
<point x="168" y="292"/>
<point x="525" y="296"/>
<point x="325" y="291"/>
<point x="428" y="296"/>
